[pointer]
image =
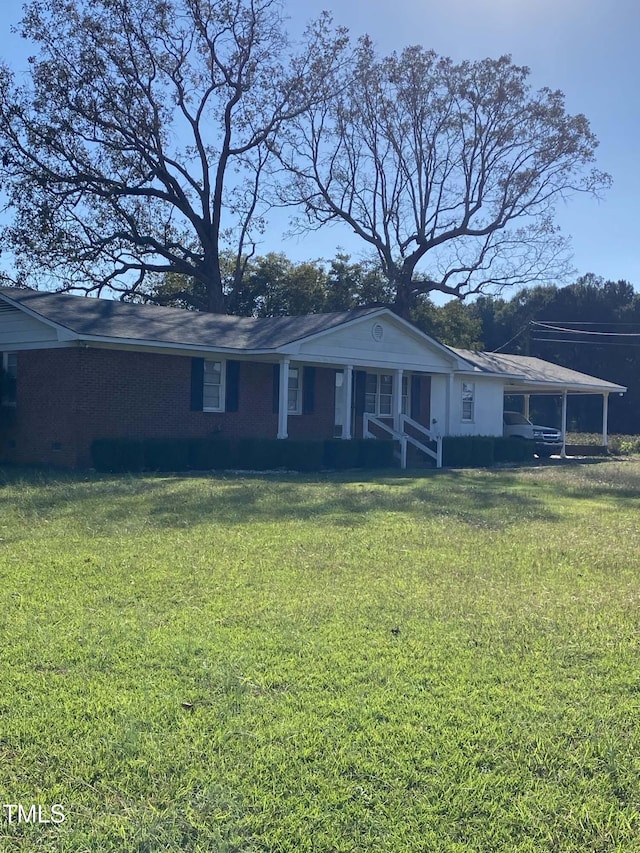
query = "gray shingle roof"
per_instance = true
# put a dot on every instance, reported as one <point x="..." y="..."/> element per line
<point x="537" y="371"/>
<point x="105" y="318"/>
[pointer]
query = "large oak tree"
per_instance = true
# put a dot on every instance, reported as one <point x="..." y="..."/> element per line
<point x="137" y="147"/>
<point x="449" y="173"/>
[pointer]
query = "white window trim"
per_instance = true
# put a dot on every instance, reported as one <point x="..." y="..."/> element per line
<point x="405" y="397"/>
<point x="468" y="388"/>
<point x="223" y="384"/>
<point x="298" y="408"/>
<point x="5" y="368"/>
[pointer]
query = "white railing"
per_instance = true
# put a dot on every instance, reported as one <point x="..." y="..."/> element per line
<point x="403" y="438"/>
<point x="432" y="437"/>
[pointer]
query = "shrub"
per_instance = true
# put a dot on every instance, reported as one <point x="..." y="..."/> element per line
<point x="165" y="454"/>
<point x="340" y="454"/>
<point x="482" y="454"/>
<point x="212" y="454"/>
<point x="474" y="451"/>
<point x="512" y="450"/>
<point x="302" y="455"/>
<point x="260" y="454"/>
<point x="457" y="451"/>
<point x="375" y="453"/>
<point x="628" y="444"/>
<point x="118" y="454"/>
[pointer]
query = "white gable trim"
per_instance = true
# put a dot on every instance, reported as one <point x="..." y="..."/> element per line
<point x="64" y="333"/>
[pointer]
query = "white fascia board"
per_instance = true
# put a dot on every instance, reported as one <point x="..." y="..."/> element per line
<point x="477" y="373"/>
<point x="533" y="387"/>
<point x="105" y="342"/>
<point x="357" y="362"/>
<point x="33" y="345"/>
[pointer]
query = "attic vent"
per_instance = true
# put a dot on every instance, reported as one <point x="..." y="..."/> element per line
<point x="377" y="332"/>
<point x="5" y="308"/>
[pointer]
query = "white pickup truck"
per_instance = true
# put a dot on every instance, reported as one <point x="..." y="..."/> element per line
<point x="548" y="440"/>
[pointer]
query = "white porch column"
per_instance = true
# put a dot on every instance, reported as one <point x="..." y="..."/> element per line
<point x="563" y="452"/>
<point x="283" y="399"/>
<point x="396" y="407"/>
<point x="347" y="391"/>
<point x="605" y="419"/>
<point x="448" y="406"/>
<point x="526" y="405"/>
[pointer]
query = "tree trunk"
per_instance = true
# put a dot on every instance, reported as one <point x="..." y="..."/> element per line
<point x="215" y="301"/>
<point x="402" y="301"/>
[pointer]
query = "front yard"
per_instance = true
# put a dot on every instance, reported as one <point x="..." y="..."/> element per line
<point x="332" y="663"/>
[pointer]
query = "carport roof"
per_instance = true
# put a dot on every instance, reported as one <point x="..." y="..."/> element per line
<point x="529" y="375"/>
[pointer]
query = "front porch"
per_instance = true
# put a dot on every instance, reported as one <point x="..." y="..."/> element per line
<point x="368" y="403"/>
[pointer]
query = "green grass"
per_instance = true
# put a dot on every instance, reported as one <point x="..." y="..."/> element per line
<point x="447" y="663"/>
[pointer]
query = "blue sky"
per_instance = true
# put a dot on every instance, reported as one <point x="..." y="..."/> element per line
<point x="587" y="48"/>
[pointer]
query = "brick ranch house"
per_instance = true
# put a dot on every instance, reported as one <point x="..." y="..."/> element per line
<point x="78" y="369"/>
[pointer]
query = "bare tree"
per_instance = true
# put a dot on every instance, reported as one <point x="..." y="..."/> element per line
<point x="138" y="146"/>
<point x="449" y="172"/>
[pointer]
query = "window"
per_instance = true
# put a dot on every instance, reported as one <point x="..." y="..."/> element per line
<point x="9" y="377"/>
<point x="294" y="404"/>
<point x="468" y="400"/>
<point x="378" y="398"/>
<point x="213" y="386"/>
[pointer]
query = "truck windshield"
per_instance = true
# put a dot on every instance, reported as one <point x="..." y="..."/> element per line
<point x="512" y="418"/>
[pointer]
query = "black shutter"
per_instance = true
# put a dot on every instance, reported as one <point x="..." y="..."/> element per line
<point x="416" y="384"/>
<point x="276" y="388"/>
<point x="232" y="386"/>
<point x="197" y="384"/>
<point x="360" y="391"/>
<point x="308" y="390"/>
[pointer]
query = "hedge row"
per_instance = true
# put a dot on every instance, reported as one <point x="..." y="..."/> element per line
<point x="258" y="454"/>
<point x="252" y="454"/>
<point x="482" y="451"/>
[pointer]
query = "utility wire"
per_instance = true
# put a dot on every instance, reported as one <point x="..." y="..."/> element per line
<point x="585" y="343"/>
<point x="543" y="326"/>
<point x="517" y="335"/>
<point x="582" y="323"/>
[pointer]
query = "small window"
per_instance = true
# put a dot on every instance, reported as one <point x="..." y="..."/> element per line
<point x="213" y="386"/>
<point x="294" y="403"/>
<point x="468" y="401"/>
<point x="9" y="378"/>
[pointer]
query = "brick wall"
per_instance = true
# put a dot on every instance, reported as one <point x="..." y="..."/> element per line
<point x="68" y="397"/>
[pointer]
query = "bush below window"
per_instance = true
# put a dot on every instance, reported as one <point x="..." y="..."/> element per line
<point x="262" y="454"/>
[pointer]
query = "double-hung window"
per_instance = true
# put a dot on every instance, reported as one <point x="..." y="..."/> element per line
<point x="9" y="378"/>
<point x="378" y="399"/>
<point x="468" y="401"/>
<point x="294" y="401"/>
<point x="213" y="386"/>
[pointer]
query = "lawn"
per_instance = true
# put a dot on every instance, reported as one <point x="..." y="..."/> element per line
<point x="289" y="664"/>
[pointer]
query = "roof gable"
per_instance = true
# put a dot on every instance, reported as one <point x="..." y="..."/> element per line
<point x="379" y="339"/>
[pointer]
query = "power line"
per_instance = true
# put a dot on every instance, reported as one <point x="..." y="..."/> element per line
<point x="551" y="328"/>
<point x="517" y="335"/>
<point x="582" y="323"/>
<point x="585" y="343"/>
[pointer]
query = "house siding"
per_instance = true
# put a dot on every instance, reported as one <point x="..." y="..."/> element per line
<point x="68" y="397"/>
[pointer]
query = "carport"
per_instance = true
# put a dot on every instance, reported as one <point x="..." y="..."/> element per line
<point x="532" y="376"/>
